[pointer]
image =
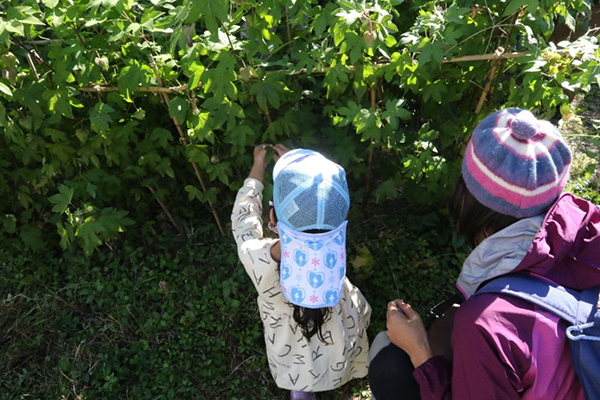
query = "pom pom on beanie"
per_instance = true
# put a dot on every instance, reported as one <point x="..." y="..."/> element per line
<point x="516" y="164"/>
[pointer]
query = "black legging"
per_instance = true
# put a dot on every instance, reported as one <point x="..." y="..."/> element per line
<point x="390" y="375"/>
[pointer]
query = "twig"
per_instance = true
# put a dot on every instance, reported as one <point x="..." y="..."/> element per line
<point x="42" y="42"/>
<point x="152" y="89"/>
<point x="287" y="23"/>
<point x="486" y="88"/>
<point x="267" y="114"/>
<point x="370" y="155"/>
<point x="166" y="210"/>
<point x="240" y="364"/>
<point x="486" y="57"/>
<point x="32" y="65"/>
<point x="502" y="62"/>
<point x="184" y="141"/>
<point x="183" y="88"/>
<point x="230" y="43"/>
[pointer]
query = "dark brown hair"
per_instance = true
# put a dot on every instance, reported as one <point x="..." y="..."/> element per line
<point x="474" y="220"/>
<point x="310" y="320"/>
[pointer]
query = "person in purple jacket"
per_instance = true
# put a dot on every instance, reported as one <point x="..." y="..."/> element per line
<point x="509" y="203"/>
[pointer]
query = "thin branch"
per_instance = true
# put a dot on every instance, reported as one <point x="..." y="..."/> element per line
<point x="166" y="210"/>
<point x="183" y="88"/>
<point x="488" y="84"/>
<point x="484" y="57"/>
<point x="152" y="89"/>
<point x="184" y="141"/>
<point x="287" y="23"/>
<point x="42" y="42"/>
<point x="373" y="98"/>
<point x="230" y="43"/>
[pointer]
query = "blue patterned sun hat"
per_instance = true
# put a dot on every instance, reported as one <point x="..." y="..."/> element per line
<point x="309" y="191"/>
<point x="313" y="266"/>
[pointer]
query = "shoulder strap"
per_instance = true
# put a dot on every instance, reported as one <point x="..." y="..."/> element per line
<point x="555" y="298"/>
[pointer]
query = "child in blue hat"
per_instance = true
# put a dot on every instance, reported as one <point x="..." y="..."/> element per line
<point x="315" y="320"/>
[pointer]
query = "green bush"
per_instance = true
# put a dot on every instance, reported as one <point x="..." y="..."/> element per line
<point x="114" y="111"/>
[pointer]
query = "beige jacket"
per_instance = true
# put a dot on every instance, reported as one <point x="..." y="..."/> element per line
<point x="295" y="362"/>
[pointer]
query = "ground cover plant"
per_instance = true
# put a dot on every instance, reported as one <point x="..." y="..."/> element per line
<point x="127" y="126"/>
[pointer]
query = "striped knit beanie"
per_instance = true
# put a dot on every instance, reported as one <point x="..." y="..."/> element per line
<point x="515" y="164"/>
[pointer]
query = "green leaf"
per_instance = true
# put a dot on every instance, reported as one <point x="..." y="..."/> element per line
<point x="238" y="136"/>
<point x="387" y="190"/>
<point x="320" y="23"/>
<point x="62" y="199"/>
<point x="195" y="193"/>
<point x="162" y="136"/>
<point x="355" y="43"/>
<point x="91" y="189"/>
<point x="178" y="108"/>
<point x="5" y="89"/>
<point x="268" y="91"/>
<point x="32" y="237"/>
<point x="349" y="16"/>
<point x="213" y="11"/>
<point x="198" y="155"/>
<point x="219" y="80"/>
<point x="3" y="122"/>
<point x="31" y="20"/>
<point x="100" y="117"/>
<point x="196" y="71"/>
<point x="10" y="224"/>
<point x="514" y="5"/>
<point x="87" y="233"/>
<point x="50" y="3"/>
<point x="58" y="100"/>
<point x="133" y="76"/>
<point x="431" y="51"/>
<point x="113" y="221"/>
<point x="336" y="79"/>
<point x="435" y="91"/>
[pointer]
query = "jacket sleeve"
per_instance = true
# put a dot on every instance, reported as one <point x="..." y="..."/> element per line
<point x="254" y="250"/>
<point x="487" y="350"/>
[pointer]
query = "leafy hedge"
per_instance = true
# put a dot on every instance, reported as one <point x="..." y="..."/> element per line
<point x="138" y="115"/>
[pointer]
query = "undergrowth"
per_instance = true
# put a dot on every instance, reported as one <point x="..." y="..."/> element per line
<point x="171" y="319"/>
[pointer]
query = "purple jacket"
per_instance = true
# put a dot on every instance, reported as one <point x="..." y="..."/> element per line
<point x="507" y="348"/>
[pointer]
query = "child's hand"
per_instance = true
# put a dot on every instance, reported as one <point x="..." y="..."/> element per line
<point x="279" y="150"/>
<point x="260" y="159"/>
<point x="260" y="162"/>
<point x="260" y="153"/>
<point x="406" y="330"/>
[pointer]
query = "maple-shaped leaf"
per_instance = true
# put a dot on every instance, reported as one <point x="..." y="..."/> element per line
<point x="100" y="116"/>
<point x="219" y="80"/>
<point x="431" y="51"/>
<point x="62" y="199"/>
<point x="268" y="90"/>
<point x="214" y="11"/>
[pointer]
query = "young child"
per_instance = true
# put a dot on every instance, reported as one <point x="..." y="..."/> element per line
<point x="315" y="320"/>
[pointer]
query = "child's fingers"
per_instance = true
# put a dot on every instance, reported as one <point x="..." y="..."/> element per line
<point x="260" y="150"/>
<point x="279" y="150"/>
